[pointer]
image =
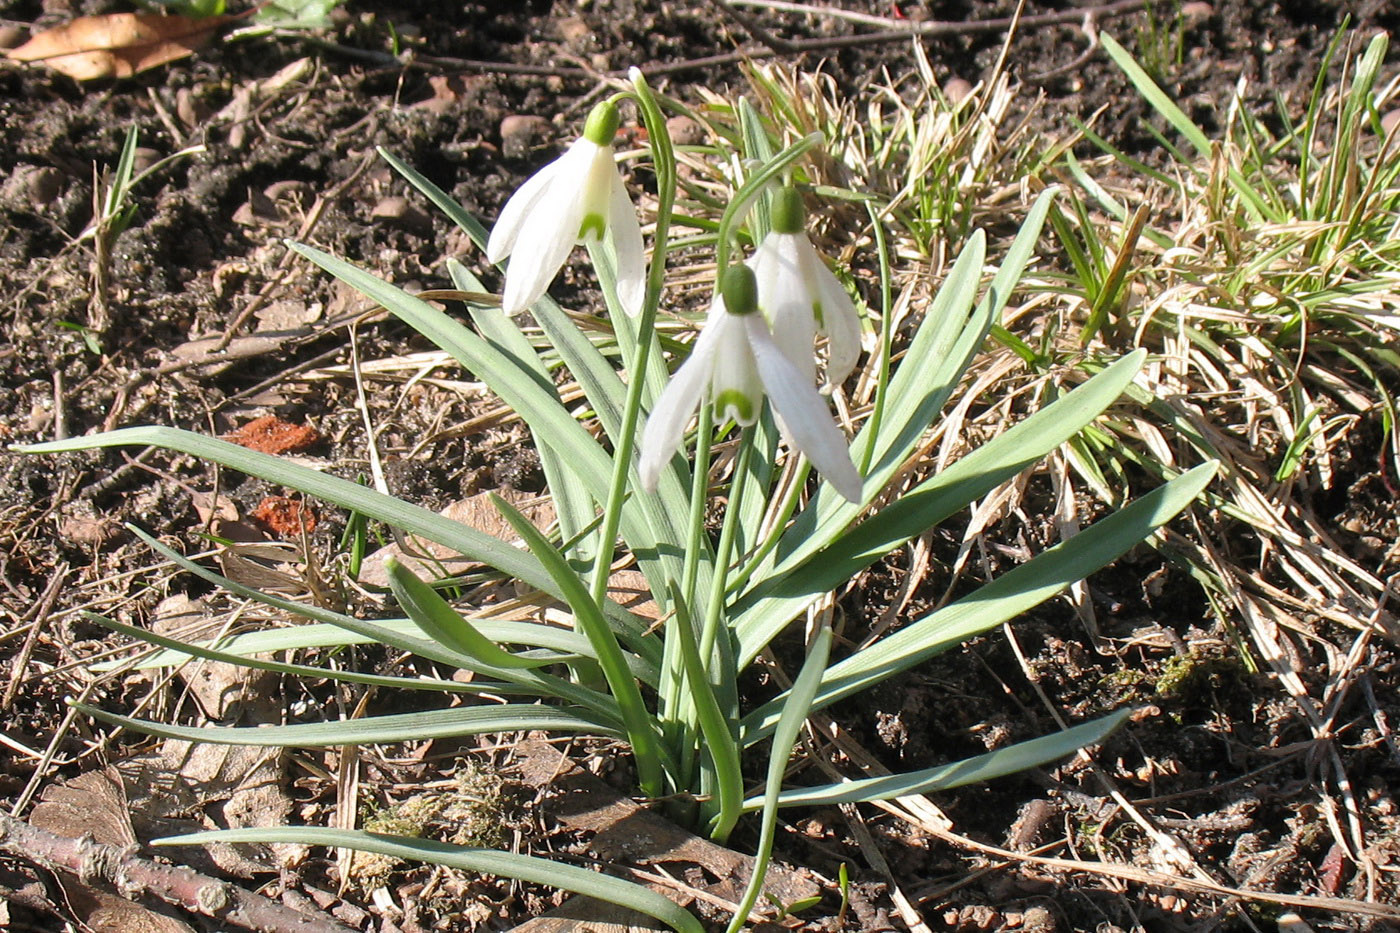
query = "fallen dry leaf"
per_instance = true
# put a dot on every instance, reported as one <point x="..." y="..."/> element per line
<point x="117" y="45"/>
<point x="95" y="805"/>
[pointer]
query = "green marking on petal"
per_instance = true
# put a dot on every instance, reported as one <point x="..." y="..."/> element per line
<point x="741" y="403"/>
<point x="817" y="313"/>
<point x="592" y="227"/>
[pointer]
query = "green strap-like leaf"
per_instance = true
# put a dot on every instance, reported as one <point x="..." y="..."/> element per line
<point x="1001" y="600"/>
<point x="181" y="652"/>
<point x="796" y="705"/>
<point x="487" y="861"/>
<point x="463" y="539"/>
<point x="973" y="770"/>
<point x="436" y="617"/>
<point x="763" y="612"/>
<point x="346" y="630"/>
<point x="642" y="731"/>
<point x="402" y="727"/>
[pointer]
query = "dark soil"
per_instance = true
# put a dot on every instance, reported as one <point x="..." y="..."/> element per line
<point x="288" y="129"/>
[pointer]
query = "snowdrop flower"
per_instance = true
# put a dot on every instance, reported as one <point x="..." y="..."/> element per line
<point x="735" y="362"/>
<point x="577" y="198"/>
<point x="800" y="296"/>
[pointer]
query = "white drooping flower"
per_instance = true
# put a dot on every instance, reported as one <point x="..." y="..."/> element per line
<point x="577" y="198"/>
<point x="734" y="363"/>
<point x="801" y="297"/>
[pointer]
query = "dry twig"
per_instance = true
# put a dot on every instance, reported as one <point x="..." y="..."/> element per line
<point x="122" y="871"/>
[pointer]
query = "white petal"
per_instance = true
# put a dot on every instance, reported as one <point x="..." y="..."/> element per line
<point x="785" y="297"/>
<point x="736" y="387"/>
<point x="804" y="416"/>
<point x="840" y="322"/>
<point x="677" y="402"/>
<point x="520" y="204"/>
<point x="625" y="233"/>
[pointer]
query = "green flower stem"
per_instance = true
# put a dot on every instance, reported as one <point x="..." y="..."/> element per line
<point x="663" y="159"/>
<point x="718" y="652"/>
<point x="738" y="580"/>
<point x="714" y="606"/>
<point x="720" y="741"/>
<point x="877" y="414"/>
<point x="804" y="690"/>
<point x="751" y="189"/>
<point x="676" y="708"/>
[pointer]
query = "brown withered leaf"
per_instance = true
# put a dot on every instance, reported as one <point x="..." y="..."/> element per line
<point x="117" y="45"/>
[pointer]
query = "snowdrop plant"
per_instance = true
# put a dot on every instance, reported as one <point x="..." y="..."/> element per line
<point x="671" y="691"/>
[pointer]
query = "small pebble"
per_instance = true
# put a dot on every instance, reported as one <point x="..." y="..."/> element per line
<point x="190" y="109"/>
<point x="1388" y="121"/>
<point x="403" y="213"/>
<point x="144" y="158"/>
<point x="11" y="36"/>
<point x="1038" y="920"/>
<point x="574" y="31"/>
<point x="1196" y="12"/>
<point x="684" y="131"/>
<point x="957" y="90"/>
<point x="520" y="133"/>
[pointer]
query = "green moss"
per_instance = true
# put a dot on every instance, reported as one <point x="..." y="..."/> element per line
<point x="1197" y="673"/>
<point x="468" y="813"/>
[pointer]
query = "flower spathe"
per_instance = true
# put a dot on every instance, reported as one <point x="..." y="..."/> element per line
<point x="577" y="198"/>
<point x="801" y="297"/>
<point x="735" y="362"/>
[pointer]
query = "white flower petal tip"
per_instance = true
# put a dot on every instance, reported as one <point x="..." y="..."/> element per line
<point x="579" y="195"/>
<point x="802" y="413"/>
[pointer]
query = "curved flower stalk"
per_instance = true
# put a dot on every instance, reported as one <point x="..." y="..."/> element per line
<point x="577" y="198"/>
<point x="736" y="362"/>
<point x="800" y="296"/>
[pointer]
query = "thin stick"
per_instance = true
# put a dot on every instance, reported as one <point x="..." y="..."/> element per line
<point x="120" y="870"/>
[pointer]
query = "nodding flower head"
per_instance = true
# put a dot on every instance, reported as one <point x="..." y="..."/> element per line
<point x="801" y="297"/>
<point x="577" y="198"/>
<point x="735" y="363"/>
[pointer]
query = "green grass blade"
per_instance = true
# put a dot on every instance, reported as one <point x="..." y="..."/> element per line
<point x="487" y="861"/>
<point x="1155" y="96"/>
<point x="1001" y="600"/>
<point x="973" y="770"/>
<point x="401" y="727"/>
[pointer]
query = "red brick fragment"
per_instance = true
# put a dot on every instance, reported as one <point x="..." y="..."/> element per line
<point x="271" y="435"/>
<point x="285" y="517"/>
